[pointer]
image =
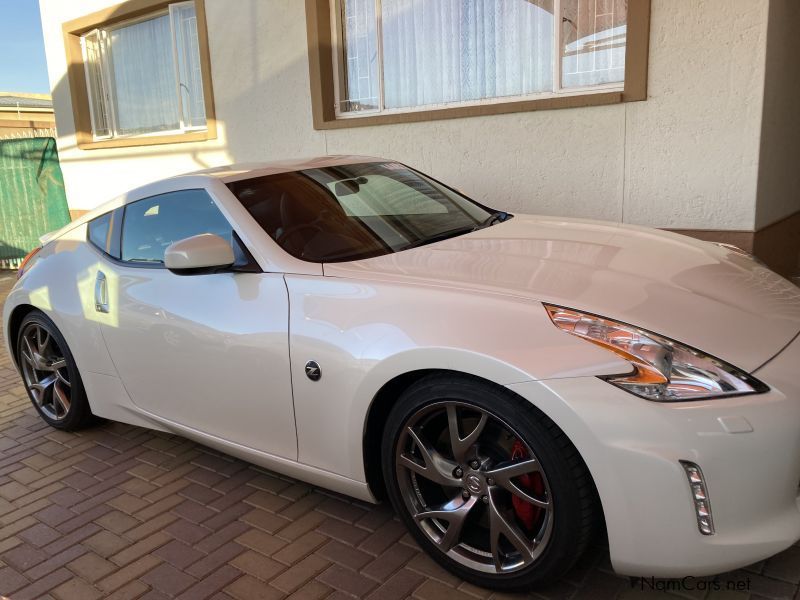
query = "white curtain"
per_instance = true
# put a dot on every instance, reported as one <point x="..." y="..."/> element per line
<point x="361" y="52"/>
<point x="143" y="71"/>
<point x="191" y="78"/>
<point x="440" y="51"/>
<point x="96" y="84"/>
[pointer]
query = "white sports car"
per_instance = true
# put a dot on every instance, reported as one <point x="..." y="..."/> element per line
<point x="511" y="383"/>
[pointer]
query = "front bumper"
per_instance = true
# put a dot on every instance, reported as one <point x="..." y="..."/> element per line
<point x="633" y="447"/>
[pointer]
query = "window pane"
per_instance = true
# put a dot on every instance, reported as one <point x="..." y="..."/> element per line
<point x="360" y="41"/>
<point x="143" y="71"/>
<point x="153" y="224"/>
<point x="593" y="42"/>
<point x="96" y="85"/>
<point x="98" y="231"/>
<point x="184" y="22"/>
<point x="354" y="211"/>
<point x="382" y="195"/>
<point x="444" y="51"/>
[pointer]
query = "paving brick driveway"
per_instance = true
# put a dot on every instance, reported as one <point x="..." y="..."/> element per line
<point x="123" y="512"/>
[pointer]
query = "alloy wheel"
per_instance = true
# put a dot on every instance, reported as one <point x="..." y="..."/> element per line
<point x="474" y="487"/>
<point x="45" y="371"/>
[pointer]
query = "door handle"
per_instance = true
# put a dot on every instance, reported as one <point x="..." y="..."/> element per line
<point x="101" y="293"/>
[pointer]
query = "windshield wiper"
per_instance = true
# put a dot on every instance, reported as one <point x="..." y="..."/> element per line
<point x="438" y="237"/>
<point x="497" y="216"/>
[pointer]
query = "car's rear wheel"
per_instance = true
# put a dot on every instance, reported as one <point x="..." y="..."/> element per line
<point x="487" y="484"/>
<point x="50" y="375"/>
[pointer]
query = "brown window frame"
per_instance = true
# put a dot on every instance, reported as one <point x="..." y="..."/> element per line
<point x="76" y="74"/>
<point x="322" y="77"/>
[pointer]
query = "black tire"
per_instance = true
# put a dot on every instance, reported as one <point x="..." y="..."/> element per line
<point x="79" y="414"/>
<point x="570" y="488"/>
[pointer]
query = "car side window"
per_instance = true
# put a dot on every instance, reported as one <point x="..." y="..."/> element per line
<point x="99" y="231"/>
<point x="152" y="224"/>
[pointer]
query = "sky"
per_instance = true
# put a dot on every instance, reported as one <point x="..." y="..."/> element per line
<point x="22" y="62"/>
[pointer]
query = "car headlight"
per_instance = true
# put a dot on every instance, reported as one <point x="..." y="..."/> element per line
<point x="663" y="369"/>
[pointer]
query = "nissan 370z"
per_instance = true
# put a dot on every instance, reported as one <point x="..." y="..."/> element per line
<point x="512" y="384"/>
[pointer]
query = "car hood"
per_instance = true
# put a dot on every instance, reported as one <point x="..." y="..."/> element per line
<point x="710" y="297"/>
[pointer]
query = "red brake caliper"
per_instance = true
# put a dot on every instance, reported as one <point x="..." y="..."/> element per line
<point x="526" y="512"/>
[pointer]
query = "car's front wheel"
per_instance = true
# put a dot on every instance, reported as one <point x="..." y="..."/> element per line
<point x="486" y="483"/>
<point x="50" y="374"/>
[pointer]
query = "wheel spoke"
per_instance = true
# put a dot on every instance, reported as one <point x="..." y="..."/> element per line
<point x="28" y="359"/>
<point x="42" y="342"/>
<point x="436" y="467"/>
<point x="63" y="379"/>
<point x="38" y="389"/>
<point x="30" y="356"/>
<point x="500" y="527"/>
<point x="38" y="393"/>
<point x="455" y="513"/>
<point x="57" y="363"/>
<point x="60" y="398"/>
<point x="461" y="445"/>
<point x="507" y="470"/>
<point x="505" y="473"/>
<point x="518" y="491"/>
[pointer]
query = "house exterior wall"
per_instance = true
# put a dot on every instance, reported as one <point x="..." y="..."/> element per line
<point x="685" y="158"/>
<point x="778" y="192"/>
<point x="778" y="175"/>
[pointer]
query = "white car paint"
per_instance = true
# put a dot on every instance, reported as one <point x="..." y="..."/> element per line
<point x="199" y="251"/>
<point x="220" y="359"/>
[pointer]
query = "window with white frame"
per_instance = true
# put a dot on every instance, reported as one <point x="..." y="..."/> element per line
<point x="144" y="76"/>
<point x="405" y="55"/>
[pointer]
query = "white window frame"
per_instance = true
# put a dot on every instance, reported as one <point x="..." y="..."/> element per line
<point x="106" y="59"/>
<point x="337" y="37"/>
<point x="104" y="91"/>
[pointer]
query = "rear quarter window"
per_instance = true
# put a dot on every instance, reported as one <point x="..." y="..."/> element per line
<point x="99" y="232"/>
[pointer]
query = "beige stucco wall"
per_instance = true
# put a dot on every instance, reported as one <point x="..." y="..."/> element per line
<point x="778" y="169"/>
<point x="685" y="158"/>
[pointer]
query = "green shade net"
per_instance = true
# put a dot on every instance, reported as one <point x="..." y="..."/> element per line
<point x="32" y="199"/>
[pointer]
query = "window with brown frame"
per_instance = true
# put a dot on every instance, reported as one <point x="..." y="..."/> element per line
<point x="389" y="61"/>
<point x="139" y="74"/>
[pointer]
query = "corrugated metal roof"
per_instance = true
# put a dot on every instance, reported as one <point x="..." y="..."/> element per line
<point x="12" y="101"/>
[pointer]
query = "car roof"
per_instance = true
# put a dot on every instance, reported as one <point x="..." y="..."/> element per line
<point x="236" y="172"/>
<point x="225" y="174"/>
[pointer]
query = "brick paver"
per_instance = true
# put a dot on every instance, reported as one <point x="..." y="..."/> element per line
<point x="122" y="512"/>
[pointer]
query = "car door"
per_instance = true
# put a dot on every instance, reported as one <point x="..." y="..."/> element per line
<point x="210" y="351"/>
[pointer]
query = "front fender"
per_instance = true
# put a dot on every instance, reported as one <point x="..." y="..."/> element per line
<point x="363" y="334"/>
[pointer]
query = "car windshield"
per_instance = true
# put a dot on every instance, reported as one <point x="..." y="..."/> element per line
<point x="356" y="211"/>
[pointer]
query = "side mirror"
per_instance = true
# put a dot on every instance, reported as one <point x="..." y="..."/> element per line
<point x="198" y="255"/>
